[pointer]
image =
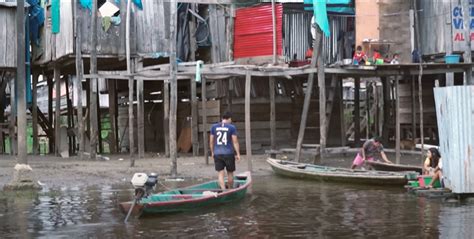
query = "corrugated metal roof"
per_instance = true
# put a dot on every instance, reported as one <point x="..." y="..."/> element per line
<point x="254" y="33"/>
<point x="455" y="114"/>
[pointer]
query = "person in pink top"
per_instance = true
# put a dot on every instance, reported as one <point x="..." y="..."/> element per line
<point x="368" y="151"/>
<point x="359" y="56"/>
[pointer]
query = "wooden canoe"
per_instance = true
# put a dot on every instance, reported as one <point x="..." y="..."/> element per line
<point x="190" y="198"/>
<point x="380" y="166"/>
<point x="343" y="175"/>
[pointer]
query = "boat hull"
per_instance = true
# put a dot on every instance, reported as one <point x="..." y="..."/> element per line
<point x="341" y="176"/>
<point x="394" y="167"/>
<point x="187" y="202"/>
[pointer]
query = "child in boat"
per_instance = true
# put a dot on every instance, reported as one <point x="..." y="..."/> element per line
<point x="368" y="151"/>
<point x="359" y="56"/>
<point x="431" y="162"/>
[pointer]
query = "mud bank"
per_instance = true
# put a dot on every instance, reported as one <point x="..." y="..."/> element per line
<point x="73" y="172"/>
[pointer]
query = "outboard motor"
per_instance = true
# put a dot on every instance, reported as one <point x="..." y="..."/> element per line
<point x="143" y="184"/>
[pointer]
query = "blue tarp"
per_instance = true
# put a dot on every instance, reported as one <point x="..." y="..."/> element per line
<point x="333" y="6"/>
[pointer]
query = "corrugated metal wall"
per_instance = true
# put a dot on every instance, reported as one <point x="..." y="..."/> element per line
<point x="297" y="35"/>
<point x="253" y="32"/>
<point x="436" y="18"/>
<point x="7" y="37"/>
<point x="455" y="114"/>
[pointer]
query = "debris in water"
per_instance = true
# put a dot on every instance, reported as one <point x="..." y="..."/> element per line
<point x="174" y="179"/>
<point x="120" y="159"/>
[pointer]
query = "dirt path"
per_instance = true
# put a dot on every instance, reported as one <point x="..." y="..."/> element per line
<point x="71" y="172"/>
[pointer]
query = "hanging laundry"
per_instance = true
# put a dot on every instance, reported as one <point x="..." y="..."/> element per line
<point x="55" y="15"/>
<point x="321" y="16"/>
<point x="36" y="19"/>
<point x="106" y="23"/>
<point x="116" y="20"/>
<point x="139" y="4"/>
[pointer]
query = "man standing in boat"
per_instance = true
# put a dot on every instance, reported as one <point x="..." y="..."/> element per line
<point x="368" y="151"/>
<point x="224" y="146"/>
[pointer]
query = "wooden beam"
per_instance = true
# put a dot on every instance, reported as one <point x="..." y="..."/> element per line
<point x="70" y="117"/>
<point x="130" y="87"/>
<point x="140" y="119"/>
<point x="204" y="119"/>
<point x="413" y="108"/>
<point x="307" y="98"/>
<point x="13" y="118"/>
<point x="93" y="84"/>
<point x="340" y="94"/>
<point x="21" y="82"/>
<point x="357" y="112"/>
<point x="248" y="137"/>
<point x="34" y="113"/>
<point x="230" y="32"/>
<point x="166" y="116"/>
<point x="113" y="115"/>
<point x="192" y="81"/>
<point x="99" y="122"/>
<point x="322" y="101"/>
<point x="79" y="76"/>
<point x="50" y="111"/>
<point x="271" y="86"/>
<point x="173" y="89"/>
<point x="397" y="119"/>
<point x="57" y="112"/>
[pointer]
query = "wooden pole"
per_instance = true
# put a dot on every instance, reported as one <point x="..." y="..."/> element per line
<point x="13" y="118"/>
<point x="113" y="115"/>
<point x="230" y="32"/>
<point x="141" y="119"/>
<point x="309" y="88"/>
<point x="322" y="103"/>
<point x="69" y="116"/>
<point x="274" y="34"/>
<point x="130" y="88"/>
<point x="21" y="83"/>
<point x="99" y="121"/>
<point x="420" y="85"/>
<point x="166" y="115"/>
<point x="57" y="110"/>
<point x="413" y="108"/>
<point x="205" y="138"/>
<point x="93" y="84"/>
<point x="397" y="119"/>
<point x="271" y="86"/>
<point x="194" y="105"/>
<point x="35" y="114"/>
<point x="340" y="90"/>
<point x="248" y="137"/>
<point x="50" y="112"/>
<point x="78" y="83"/>
<point x="448" y="43"/>
<point x="357" y="112"/>
<point x="174" y="89"/>
<point x="467" y="38"/>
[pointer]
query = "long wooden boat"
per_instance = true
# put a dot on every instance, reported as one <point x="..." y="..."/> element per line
<point x="380" y="166"/>
<point x="190" y="198"/>
<point x="343" y="175"/>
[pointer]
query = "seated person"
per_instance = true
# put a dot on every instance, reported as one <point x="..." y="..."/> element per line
<point x="376" y="55"/>
<point x="431" y="161"/>
<point x="395" y="59"/>
<point x="359" y="56"/>
<point x="368" y="151"/>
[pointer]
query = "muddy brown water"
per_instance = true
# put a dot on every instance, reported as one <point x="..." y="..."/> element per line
<point x="276" y="207"/>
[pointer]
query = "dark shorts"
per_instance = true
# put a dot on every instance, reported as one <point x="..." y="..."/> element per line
<point x="224" y="161"/>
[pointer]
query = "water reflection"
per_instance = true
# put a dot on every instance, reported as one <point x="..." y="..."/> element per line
<point x="277" y="207"/>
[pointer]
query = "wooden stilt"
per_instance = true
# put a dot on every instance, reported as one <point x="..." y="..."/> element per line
<point x="322" y="104"/>
<point x="194" y="119"/>
<point x="248" y="136"/>
<point x="78" y="82"/>
<point x="13" y="118"/>
<point x="397" y="119"/>
<point x="357" y="112"/>
<point x="3" y="86"/>
<point x="309" y="88"/>
<point x="130" y="87"/>
<point x="230" y="32"/>
<point x="50" y="112"/>
<point x="34" y="109"/>
<point x="205" y="137"/>
<point x="173" y="89"/>
<point x="113" y="116"/>
<point x="99" y="123"/>
<point x="94" y="133"/>
<point x="69" y="116"/>
<point x="229" y="94"/>
<point x="141" y="118"/>
<point x="21" y="82"/>
<point x="413" y="108"/>
<point x="213" y="29"/>
<point x="57" y="110"/>
<point x="340" y="97"/>
<point x="271" y="86"/>
<point x="166" y="116"/>
<point x="194" y="105"/>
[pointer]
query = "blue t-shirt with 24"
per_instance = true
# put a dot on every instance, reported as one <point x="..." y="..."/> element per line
<point x="223" y="138"/>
